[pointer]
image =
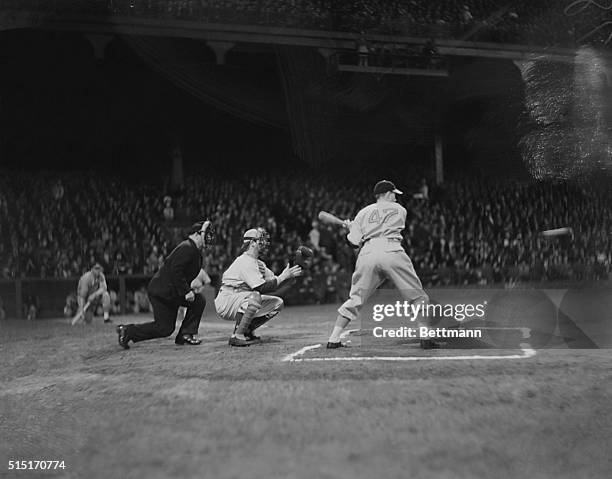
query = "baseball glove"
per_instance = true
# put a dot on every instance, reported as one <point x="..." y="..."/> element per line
<point x="303" y="257"/>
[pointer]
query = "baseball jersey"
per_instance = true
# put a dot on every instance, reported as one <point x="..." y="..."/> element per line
<point x="246" y="273"/>
<point x="89" y="284"/>
<point x="383" y="219"/>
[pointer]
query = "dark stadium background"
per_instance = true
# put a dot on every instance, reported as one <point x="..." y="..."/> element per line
<point x="115" y="115"/>
<point x="118" y="115"/>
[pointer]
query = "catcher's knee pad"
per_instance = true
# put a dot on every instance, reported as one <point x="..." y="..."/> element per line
<point x="280" y="304"/>
<point x="254" y="300"/>
<point x="277" y="307"/>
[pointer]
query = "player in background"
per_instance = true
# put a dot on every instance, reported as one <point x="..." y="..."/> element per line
<point x="242" y="297"/>
<point x="92" y="289"/>
<point x="377" y="231"/>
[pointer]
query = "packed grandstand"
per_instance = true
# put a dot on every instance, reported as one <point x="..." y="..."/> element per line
<point x="465" y="232"/>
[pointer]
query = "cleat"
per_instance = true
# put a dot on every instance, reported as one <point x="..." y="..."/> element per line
<point x="429" y="344"/>
<point x="123" y="337"/>
<point x="252" y="337"/>
<point x="339" y="344"/>
<point x="108" y="321"/>
<point x="187" y="339"/>
<point x="234" y="341"/>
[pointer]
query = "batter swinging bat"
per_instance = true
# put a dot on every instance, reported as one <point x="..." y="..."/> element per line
<point x="80" y="314"/>
<point x="328" y="218"/>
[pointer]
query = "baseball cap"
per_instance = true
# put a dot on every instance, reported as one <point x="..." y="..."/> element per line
<point x="384" y="186"/>
<point x="253" y="233"/>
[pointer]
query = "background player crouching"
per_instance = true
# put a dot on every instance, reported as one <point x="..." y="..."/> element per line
<point x="92" y="292"/>
<point x="242" y="295"/>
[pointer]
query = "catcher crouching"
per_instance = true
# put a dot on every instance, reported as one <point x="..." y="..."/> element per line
<point x="242" y="297"/>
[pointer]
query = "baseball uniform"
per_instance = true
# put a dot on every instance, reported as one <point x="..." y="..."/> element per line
<point x="89" y="284"/>
<point x="238" y="282"/>
<point x="377" y="230"/>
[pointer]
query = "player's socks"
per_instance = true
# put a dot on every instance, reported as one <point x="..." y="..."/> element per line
<point x="341" y="324"/>
<point x="106" y="316"/>
<point x="247" y="318"/>
<point x="238" y="319"/>
<point x="335" y="335"/>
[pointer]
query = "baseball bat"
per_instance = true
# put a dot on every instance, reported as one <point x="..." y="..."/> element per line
<point x="328" y="218"/>
<point x="557" y="232"/>
<point x="80" y="314"/>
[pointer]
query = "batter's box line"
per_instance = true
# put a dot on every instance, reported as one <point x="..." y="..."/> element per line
<point x="526" y="352"/>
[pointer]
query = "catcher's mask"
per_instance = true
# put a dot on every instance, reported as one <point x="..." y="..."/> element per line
<point x="207" y="231"/>
<point x="260" y="236"/>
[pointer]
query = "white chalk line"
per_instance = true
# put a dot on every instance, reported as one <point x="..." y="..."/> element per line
<point x="292" y="356"/>
<point x="526" y="352"/>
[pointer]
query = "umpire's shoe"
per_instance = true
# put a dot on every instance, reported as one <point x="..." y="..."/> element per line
<point x="339" y="344"/>
<point x="187" y="339"/>
<point x="123" y="336"/>
<point x="429" y="344"/>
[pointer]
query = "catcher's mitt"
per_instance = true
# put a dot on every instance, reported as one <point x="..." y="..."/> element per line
<point x="303" y="257"/>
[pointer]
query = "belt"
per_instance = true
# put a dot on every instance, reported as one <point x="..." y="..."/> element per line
<point x="390" y="240"/>
<point x="228" y="288"/>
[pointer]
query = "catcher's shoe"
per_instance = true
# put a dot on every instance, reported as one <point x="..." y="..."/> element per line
<point x="429" y="344"/>
<point x="123" y="337"/>
<point x="187" y="339"/>
<point x="339" y="344"/>
<point x="236" y="341"/>
<point x="251" y="337"/>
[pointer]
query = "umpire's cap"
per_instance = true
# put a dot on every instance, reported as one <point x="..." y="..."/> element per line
<point x="385" y="185"/>
<point x="194" y="228"/>
<point x="205" y="228"/>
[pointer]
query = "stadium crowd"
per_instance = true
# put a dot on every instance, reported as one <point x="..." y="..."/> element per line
<point x="466" y="232"/>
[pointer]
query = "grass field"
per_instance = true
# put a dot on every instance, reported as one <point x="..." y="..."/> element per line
<point x="160" y="410"/>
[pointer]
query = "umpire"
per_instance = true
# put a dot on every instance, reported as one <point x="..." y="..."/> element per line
<point x="171" y="288"/>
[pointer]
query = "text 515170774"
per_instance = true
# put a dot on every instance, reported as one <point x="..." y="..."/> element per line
<point x="36" y="465"/>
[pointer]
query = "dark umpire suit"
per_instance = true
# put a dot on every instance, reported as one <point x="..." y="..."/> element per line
<point x="167" y="292"/>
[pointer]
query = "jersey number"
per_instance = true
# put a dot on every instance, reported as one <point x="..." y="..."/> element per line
<point x="387" y="214"/>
